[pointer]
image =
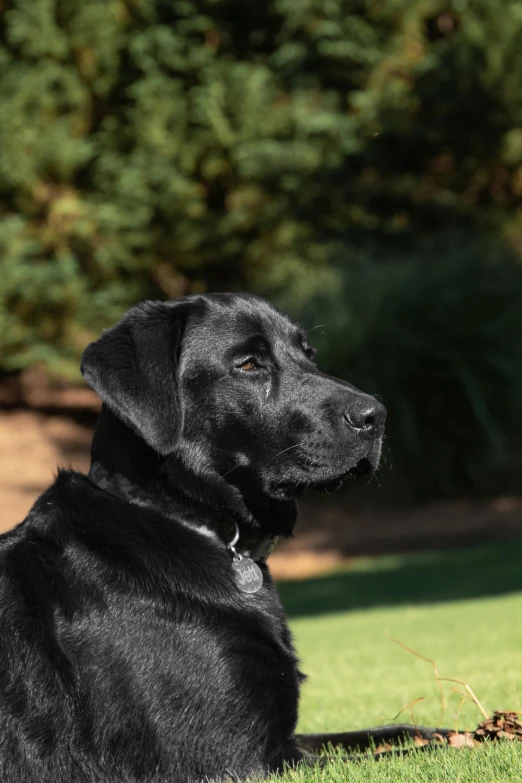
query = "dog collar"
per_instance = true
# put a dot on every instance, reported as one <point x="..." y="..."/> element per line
<point x="121" y="487"/>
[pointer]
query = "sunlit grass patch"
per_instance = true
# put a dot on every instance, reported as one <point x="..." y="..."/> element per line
<point x="359" y="678"/>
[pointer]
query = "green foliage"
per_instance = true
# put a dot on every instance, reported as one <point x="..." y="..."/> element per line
<point x="155" y="147"/>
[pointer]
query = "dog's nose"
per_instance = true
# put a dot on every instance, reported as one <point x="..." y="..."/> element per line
<point x="367" y="416"/>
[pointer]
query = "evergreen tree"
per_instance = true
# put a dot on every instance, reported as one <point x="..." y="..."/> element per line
<point x="150" y="147"/>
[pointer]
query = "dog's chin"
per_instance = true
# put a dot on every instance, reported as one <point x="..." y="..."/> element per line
<point x="363" y="468"/>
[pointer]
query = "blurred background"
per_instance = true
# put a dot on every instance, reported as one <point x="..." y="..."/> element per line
<point x="357" y="162"/>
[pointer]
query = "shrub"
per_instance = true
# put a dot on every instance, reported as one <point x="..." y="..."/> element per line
<point x="439" y="340"/>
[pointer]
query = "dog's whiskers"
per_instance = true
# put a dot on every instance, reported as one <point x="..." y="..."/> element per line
<point x="294" y="446"/>
<point x="238" y="465"/>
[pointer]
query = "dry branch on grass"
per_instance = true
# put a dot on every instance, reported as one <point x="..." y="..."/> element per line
<point x="503" y="724"/>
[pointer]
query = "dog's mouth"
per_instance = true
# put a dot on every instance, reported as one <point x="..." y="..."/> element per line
<point x="363" y="468"/>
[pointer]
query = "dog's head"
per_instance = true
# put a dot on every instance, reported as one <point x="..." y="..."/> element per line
<point x="231" y="381"/>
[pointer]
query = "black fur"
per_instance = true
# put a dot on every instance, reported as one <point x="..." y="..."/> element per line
<point x="127" y="652"/>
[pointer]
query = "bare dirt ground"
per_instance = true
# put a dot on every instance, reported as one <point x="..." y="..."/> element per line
<point x="34" y="442"/>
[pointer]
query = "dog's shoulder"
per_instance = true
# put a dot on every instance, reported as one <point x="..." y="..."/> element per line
<point x="80" y="549"/>
<point x="76" y="535"/>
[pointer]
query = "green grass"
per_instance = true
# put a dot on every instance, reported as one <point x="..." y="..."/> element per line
<point x="460" y="608"/>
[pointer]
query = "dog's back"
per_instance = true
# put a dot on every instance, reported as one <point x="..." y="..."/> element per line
<point x="127" y="653"/>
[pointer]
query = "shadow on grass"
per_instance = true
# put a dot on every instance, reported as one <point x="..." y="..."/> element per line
<point x="427" y="577"/>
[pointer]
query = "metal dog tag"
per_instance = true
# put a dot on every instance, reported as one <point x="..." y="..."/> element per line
<point x="247" y="575"/>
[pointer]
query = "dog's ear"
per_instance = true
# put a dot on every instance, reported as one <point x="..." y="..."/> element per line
<point x="133" y="368"/>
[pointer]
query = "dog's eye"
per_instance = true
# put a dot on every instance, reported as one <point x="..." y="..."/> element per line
<point x="248" y="365"/>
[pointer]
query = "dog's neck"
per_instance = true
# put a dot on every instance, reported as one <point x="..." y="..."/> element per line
<point x="124" y="465"/>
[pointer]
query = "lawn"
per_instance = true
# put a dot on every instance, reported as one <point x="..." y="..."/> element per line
<point x="463" y="608"/>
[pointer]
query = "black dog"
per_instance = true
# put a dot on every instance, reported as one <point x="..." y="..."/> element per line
<point x="138" y="641"/>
